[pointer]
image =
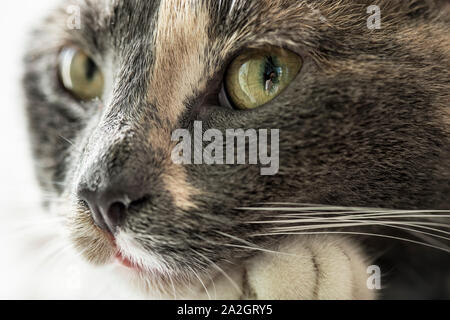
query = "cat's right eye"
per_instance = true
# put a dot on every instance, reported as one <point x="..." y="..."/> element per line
<point x="80" y="75"/>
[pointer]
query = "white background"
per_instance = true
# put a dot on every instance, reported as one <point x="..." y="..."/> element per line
<point x="23" y="274"/>
<point x="18" y="192"/>
<point x="16" y="17"/>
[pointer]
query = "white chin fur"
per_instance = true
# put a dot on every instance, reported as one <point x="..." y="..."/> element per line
<point x="134" y="252"/>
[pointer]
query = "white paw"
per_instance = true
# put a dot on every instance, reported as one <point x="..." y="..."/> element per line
<point x="309" y="268"/>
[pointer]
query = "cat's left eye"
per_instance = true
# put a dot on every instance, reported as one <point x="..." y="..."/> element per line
<point x="259" y="75"/>
<point x="80" y="75"/>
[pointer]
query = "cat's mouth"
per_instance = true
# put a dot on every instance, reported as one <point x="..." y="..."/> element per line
<point x="130" y="254"/>
<point x="123" y="260"/>
<point x="157" y="277"/>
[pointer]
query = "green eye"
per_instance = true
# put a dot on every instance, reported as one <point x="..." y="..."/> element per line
<point x="258" y="76"/>
<point x="80" y="75"/>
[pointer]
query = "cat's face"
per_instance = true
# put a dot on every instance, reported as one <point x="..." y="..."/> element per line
<point x="365" y="122"/>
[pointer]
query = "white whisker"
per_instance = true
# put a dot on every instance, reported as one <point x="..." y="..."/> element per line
<point x="352" y="233"/>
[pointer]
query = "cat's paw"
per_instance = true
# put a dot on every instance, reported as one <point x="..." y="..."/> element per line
<point x="308" y="268"/>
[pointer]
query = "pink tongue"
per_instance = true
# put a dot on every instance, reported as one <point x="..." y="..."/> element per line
<point x="124" y="261"/>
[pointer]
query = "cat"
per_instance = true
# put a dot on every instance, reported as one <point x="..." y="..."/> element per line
<point x="363" y="116"/>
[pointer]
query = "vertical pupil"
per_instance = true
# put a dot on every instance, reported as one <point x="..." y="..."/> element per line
<point x="90" y="68"/>
<point x="270" y="73"/>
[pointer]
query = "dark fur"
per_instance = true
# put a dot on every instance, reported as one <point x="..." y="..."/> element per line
<point x="366" y="123"/>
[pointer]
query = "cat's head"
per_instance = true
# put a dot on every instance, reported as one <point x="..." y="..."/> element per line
<point x="363" y="118"/>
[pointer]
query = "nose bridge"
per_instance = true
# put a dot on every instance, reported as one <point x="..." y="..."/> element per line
<point x="119" y="140"/>
<point x="107" y="153"/>
<point x="110" y="179"/>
